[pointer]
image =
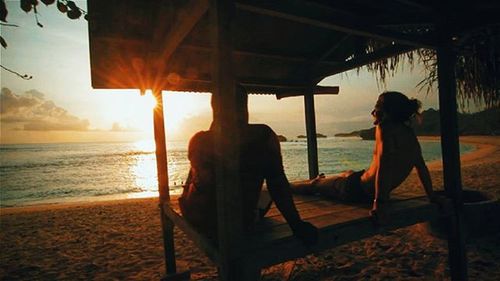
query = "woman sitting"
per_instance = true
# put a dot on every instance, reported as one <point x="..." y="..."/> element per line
<point x="397" y="151"/>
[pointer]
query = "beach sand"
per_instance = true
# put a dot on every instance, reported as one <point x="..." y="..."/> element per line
<point x="121" y="240"/>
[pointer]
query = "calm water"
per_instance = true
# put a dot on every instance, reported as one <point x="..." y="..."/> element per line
<point x="52" y="173"/>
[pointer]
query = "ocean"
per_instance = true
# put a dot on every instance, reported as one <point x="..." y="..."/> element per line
<point x="68" y="172"/>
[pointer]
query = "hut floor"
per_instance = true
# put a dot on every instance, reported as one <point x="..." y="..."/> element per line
<point x="339" y="223"/>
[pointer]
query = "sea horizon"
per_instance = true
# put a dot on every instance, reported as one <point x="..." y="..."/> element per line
<point x="52" y="173"/>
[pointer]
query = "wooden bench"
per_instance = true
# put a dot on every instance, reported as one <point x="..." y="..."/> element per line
<point x="272" y="242"/>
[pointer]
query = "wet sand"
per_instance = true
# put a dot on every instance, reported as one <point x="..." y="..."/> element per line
<point x="121" y="240"/>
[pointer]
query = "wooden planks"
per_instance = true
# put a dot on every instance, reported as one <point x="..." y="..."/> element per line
<point x="273" y="242"/>
<point x="186" y="19"/>
<point x="172" y="210"/>
<point x="277" y="244"/>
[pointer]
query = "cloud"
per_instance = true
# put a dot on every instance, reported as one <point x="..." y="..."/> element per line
<point x="32" y="112"/>
<point x="188" y="126"/>
<point x="116" y="127"/>
<point x="12" y="103"/>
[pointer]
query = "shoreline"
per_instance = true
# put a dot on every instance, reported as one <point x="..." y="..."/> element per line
<point x="483" y="146"/>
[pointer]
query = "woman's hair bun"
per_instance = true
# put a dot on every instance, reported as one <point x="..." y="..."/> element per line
<point x="414" y="106"/>
<point x="399" y="106"/>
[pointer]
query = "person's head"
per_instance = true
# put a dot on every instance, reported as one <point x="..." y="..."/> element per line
<point x="396" y="107"/>
<point x="201" y="157"/>
<point x="241" y="105"/>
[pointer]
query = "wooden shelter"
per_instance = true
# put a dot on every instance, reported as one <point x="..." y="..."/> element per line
<point x="282" y="48"/>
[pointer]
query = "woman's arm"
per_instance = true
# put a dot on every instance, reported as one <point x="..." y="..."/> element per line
<point x="382" y="168"/>
<point x="425" y="179"/>
<point x="384" y="149"/>
<point x="424" y="176"/>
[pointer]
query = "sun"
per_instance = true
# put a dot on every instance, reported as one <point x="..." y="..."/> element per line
<point x="177" y="107"/>
<point x="149" y="101"/>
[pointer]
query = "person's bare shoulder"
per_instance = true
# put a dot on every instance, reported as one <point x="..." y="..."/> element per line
<point x="260" y="127"/>
<point x="260" y="131"/>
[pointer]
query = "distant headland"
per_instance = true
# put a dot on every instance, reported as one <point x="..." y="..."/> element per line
<point x="282" y="138"/>
<point x="318" y="135"/>
<point x="486" y="122"/>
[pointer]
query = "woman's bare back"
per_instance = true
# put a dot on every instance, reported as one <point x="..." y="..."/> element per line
<point x="400" y="152"/>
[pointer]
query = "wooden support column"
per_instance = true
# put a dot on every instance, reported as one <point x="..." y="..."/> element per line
<point x="228" y="193"/>
<point x="451" y="151"/>
<point x="312" y="141"/>
<point x="162" y="170"/>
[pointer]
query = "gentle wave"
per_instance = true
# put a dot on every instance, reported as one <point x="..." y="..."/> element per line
<point x="76" y="160"/>
<point x="62" y="172"/>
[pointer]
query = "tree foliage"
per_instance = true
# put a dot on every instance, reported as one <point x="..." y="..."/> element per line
<point x="477" y="67"/>
<point x="67" y="7"/>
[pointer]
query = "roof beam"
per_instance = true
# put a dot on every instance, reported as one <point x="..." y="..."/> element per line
<point x="342" y="10"/>
<point x="186" y="20"/>
<point x="332" y="49"/>
<point x="304" y="15"/>
<point x="321" y="59"/>
<point x="249" y="82"/>
<point x="257" y="55"/>
<point x="316" y="90"/>
<point x="383" y="53"/>
<point x="416" y="5"/>
<point x="253" y="85"/>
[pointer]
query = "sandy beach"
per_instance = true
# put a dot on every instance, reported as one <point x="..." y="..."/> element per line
<point x="121" y="240"/>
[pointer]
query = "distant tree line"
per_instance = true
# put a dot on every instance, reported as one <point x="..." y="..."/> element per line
<point x="486" y="122"/>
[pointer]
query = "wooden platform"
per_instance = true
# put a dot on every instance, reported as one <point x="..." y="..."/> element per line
<point x="339" y="223"/>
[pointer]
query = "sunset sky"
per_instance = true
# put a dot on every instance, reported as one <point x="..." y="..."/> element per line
<point x="59" y="105"/>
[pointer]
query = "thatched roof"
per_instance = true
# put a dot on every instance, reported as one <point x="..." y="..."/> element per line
<point x="280" y="47"/>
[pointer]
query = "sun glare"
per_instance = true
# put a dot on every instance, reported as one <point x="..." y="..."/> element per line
<point x="145" y="145"/>
<point x="149" y="100"/>
<point x="179" y="107"/>
<point x="134" y="112"/>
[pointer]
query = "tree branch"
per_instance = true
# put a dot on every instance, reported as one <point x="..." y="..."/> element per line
<point x="25" y="76"/>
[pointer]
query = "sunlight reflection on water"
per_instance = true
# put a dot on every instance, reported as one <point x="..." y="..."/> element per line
<point x="143" y="169"/>
<point x="90" y="171"/>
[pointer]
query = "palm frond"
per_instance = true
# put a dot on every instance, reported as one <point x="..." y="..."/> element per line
<point x="477" y="67"/>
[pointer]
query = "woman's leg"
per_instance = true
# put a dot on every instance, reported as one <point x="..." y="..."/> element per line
<point x="330" y="186"/>
<point x="306" y="187"/>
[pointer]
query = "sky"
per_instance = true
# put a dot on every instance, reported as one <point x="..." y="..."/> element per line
<point x="59" y="105"/>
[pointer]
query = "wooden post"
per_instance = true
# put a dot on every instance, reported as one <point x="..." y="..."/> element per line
<point x="228" y="194"/>
<point x="451" y="151"/>
<point x="162" y="170"/>
<point x="312" y="141"/>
